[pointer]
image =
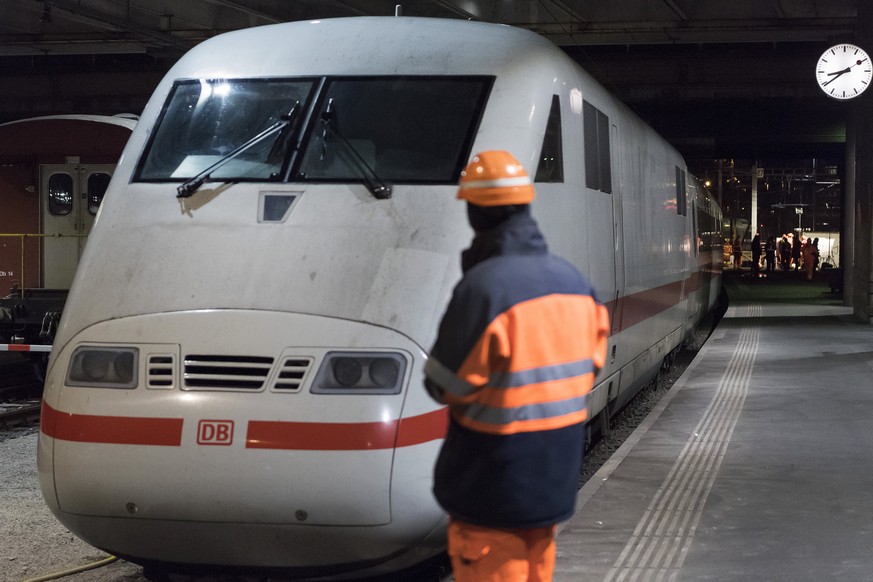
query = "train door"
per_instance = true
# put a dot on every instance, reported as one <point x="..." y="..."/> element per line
<point x="618" y="226"/>
<point x="698" y="295"/>
<point x="71" y="195"/>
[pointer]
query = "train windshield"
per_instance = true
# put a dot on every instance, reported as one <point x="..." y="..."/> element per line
<point x="399" y="129"/>
<point x="203" y="121"/>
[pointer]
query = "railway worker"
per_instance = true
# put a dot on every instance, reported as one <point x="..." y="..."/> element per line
<point x="517" y="351"/>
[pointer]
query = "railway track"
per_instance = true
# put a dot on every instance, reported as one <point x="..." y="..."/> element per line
<point x="17" y="413"/>
<point x="20" y="392"/>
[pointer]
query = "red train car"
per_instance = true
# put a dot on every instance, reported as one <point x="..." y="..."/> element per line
<point x="53" y="174"/>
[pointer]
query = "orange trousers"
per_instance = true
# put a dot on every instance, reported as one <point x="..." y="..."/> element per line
<point x="481" y="554"/>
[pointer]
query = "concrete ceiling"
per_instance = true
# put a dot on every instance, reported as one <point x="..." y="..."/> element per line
<point x="38" y="27"/>
<point x="718" y="78"/>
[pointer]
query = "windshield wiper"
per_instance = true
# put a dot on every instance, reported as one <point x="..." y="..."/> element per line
<point x="377" y="187"/>
<point x="191" y="185"/>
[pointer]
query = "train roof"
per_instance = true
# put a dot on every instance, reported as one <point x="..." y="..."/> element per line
<point x="528" y="67"/>
<point x="363" y="46"/>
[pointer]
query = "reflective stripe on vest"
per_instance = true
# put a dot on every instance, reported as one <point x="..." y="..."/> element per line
<point x="447" y="380"/>
<point x="530" y="369"/>
<point x="460" y="390"/>
<point x="539" y="416"/>
<point x="544" y="374"/>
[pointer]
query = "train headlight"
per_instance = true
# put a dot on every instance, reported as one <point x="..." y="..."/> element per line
<point x="347" y="371"/>
<point x="384" y="372"/>
<point x="103" y="367"/>
<point x="360" y="373"/>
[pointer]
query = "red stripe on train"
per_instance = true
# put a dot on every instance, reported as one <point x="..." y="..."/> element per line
<point x="638" y="307"/>
<point x="117" y="430"/>
<point x="423" y="428"/>
<point x="336" y="436"/>
<point x="308" y="436"/>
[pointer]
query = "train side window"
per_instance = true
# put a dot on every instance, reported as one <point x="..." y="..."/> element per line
<point x="598" y="167"/>
<point x="60" y="194"/>
<point x="551" y="166"/>
<point x="681" y="196"/>
<point x="97" y="184"/>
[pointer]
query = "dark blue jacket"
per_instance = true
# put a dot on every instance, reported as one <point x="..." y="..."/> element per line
<point x="516" y="355"/>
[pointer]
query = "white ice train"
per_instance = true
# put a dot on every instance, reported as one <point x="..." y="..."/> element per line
<point x="237" y="377"/>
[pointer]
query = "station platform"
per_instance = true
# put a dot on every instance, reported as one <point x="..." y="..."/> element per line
<point x="756" y="465"/>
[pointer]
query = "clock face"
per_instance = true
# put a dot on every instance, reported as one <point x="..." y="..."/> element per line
<point x="844" y="71"/>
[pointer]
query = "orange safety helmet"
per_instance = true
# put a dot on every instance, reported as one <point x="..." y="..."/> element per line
<point x="495" y="178"/>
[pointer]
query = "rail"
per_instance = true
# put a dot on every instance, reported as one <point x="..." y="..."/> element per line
<point x="23" y="238"/>
<point x="11" y="414"/>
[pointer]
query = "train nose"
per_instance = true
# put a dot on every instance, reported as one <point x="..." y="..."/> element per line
<point x="213" y="465"/>
<point x="147" y="449"/>
<point x="193" y="427"/>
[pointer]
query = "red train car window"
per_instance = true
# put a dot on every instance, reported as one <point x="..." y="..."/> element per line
<point x="97" y="184"/>
<point x="60" y="194"/>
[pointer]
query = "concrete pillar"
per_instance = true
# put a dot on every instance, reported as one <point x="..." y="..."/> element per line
<point x="847" y="220"/>
<point x="755" y="226"/>
<point x="862" y="119"/>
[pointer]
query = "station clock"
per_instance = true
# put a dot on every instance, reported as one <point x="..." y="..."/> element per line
<point x="844" y="71"/>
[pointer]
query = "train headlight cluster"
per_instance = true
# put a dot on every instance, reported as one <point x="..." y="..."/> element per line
<point x="360" y="373"/>
<point x="103" y="367"/>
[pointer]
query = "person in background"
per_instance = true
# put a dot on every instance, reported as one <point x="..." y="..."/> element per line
<point x="756" y="254"/>
<point x="809" y="258"/>
<point x="738" y="253"/>
<point x="785" y="252"/>
<point x="796" y="245"/>
<point x="770" y="254"/>
<point x="516" y="354"/>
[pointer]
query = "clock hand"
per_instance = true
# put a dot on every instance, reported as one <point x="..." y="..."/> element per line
<point x="837" y="75"/>
<point x="848" y="69"/>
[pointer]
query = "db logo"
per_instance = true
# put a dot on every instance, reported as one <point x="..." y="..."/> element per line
<point x="215" y="432"/>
